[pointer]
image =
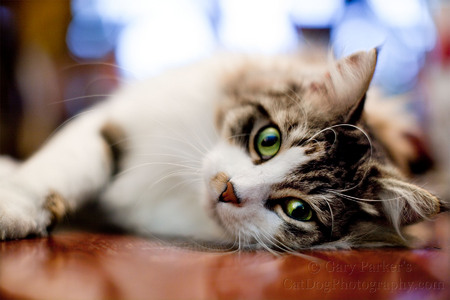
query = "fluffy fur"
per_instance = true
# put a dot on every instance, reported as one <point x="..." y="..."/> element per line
<point x="159" y="155"/>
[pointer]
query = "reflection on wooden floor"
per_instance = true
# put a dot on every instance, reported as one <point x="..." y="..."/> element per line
<point x="80" y="265"/>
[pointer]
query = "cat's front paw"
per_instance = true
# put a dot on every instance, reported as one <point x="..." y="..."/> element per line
<point x="21" y="215"/>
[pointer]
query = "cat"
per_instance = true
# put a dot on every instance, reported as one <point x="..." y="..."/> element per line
<point x="251" y="152"/>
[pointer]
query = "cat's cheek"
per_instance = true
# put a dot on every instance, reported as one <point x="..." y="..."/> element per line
<point x="210" y="195"/>
<point x="208" y="203"/>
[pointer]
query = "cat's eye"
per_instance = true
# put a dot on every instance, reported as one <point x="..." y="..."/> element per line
<point x="268" y="142"/>
<point x="298" y="210"/>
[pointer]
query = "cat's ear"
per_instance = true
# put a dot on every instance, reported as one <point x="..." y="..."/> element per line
<point x="403" y="203"/>
<point x="351" y="77"/>
<point x="344" y="85"/>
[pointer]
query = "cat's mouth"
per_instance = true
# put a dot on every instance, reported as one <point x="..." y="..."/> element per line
<point x="239" y="218"/>
<point x="223" y="204"/>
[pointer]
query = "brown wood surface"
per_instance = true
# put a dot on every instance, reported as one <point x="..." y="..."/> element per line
<point x="80" y="265"/>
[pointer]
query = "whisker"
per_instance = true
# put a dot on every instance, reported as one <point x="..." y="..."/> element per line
<point x="239" y="241"/>
<point x="301" y="108"/>
<point x="181" y="159"/>
<point x="216" y="248"/>
<point x="65" y="122"/>
<point x="206" y="136"/>
<point x="368" y="139"/>
<point x="189" y="125"/>
<point x="260" y="242"/>
<point x="274" y="241"/>
<point x="79" y="98"/>
<point x="356" y="199"/>
<point x="170" y="138"/>
<point x="370" y="157"/>
<point x="153" y="164"/>
<point x="237" y="135"/>
<point x="170" y="175"/>
<point x="104" y="78"/>
<point x="183" y="182"/>
<point x="331" y="215"/>
<point x="284" y="247"/>
<point x="128" y="71"/>
<point x="319" y="132"/>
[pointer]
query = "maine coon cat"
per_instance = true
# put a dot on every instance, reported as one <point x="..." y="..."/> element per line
<point x="256" y="152"/>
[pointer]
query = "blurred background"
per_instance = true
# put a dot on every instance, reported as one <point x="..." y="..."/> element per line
<point x="59" y="56"/>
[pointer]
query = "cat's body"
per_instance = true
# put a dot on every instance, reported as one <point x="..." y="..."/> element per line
<point x="256" y="152"/>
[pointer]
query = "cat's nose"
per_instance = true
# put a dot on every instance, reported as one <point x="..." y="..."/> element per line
<point x="228" y="195"/>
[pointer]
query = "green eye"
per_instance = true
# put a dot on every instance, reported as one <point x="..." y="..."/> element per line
<point x="268" y="142"/>
<point x="298" y="210"/>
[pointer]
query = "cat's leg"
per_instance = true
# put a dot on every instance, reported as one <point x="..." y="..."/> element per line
<point x="73" y="166"/>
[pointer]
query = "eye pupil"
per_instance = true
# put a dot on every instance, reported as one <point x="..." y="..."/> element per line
<point x="269" y="140"/>
<point x="298" y="210"/>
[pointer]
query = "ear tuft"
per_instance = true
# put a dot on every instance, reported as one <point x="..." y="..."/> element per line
<point x="405" y="203"/>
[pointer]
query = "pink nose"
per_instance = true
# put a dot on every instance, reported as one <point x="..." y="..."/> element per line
<point x="228" y="195"/>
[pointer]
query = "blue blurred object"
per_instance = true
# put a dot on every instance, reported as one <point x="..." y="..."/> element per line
<point x="317" y="13"/>
<point x="402" y="29"/>
<point x="256" y="26"/>
<point x="89" y="37"/>
<point x="148" y="36"/>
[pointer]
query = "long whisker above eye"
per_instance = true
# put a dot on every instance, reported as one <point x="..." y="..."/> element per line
<point x="356" y="199"/>
<point x="319" y="132"/>
<point x="366" y="136"/>
<point x="297" y="102"/>
<point x="370" y="157"/>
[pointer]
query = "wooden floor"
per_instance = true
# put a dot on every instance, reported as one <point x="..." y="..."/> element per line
<point x="80" y="265"/>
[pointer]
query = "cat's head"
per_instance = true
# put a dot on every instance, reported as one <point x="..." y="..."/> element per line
<point x="297" y="165"/>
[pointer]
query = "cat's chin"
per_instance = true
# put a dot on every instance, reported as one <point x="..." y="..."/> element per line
<point x="226" y="216"/>
<point x="243" y="224"/>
